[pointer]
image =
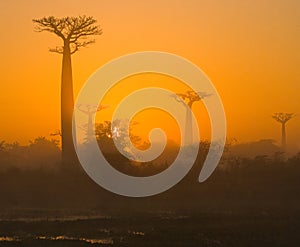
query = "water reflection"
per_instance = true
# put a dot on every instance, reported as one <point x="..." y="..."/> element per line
<point x="103" y="241"/>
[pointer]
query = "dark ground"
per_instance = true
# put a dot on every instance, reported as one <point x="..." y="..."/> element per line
<point x="219" y="229"/>
<point x="253" y="202"/>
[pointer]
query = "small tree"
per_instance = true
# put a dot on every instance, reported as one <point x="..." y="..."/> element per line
<point x="74" y="32"/>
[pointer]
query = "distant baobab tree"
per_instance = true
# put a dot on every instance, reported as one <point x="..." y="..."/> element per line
<point x="283" y="118"/>
<point x="90" y="111"/>
<point x="75" y="33"/>
<point x="188" y="99"/>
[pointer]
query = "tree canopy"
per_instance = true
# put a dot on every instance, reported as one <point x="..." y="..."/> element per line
<point x="74" y="31"/>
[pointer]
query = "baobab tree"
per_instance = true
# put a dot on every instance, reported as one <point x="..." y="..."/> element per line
<point x="75" y="33"/>
<point x="188" y="99"/>
<point x="90" y="111"/>
<point x="283" y="118"/>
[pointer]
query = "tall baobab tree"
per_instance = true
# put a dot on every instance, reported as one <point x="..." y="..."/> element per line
<point x="188" y="99"/>
<point x="283" y="118"/>
<point x="75" y="33"/>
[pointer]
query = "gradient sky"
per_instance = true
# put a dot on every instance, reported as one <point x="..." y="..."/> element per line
<point x="249" y="49"/>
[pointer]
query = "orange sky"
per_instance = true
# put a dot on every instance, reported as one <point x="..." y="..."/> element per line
<point x="249" y="49"/>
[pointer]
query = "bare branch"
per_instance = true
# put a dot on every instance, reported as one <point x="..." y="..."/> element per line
<point x="75" y="46"/>
<point x="283" y="117"/>
<point x="50" y="24"/>
<point x="189" y="97"/>
<point x="74" y="50"/>
<point x="179" y="99"/>
<point x="57" y="49"/>
<point x="73" y="30"/>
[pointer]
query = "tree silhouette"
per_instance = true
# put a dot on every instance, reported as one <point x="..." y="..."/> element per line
<point x="75" y="33"/>
<point x="90" y="111"/>
<point x="188" y="99"/>
<point x="283" y="118"/>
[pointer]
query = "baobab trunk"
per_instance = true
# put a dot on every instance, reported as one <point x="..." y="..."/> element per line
<point x="67" y="105"/>
<point x="283" y="136"/>
<point x="188" y="140"/>
<point x="188" y="135"/>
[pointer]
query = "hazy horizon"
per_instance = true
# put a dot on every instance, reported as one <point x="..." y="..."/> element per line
<point x="249" y="50"/>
